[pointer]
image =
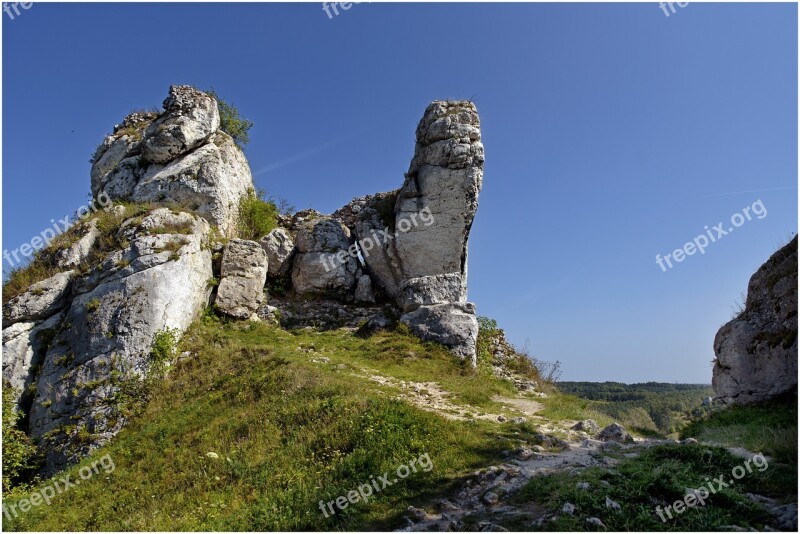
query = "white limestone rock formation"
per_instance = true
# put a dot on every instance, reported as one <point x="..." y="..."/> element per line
<point x="757" y="351"/>
<point x="414" y="240"/>
<point x="158" y="282"/>
<point x="279" y="246"/>
<point x="178" y="157"/>
<point x="40" y="301"/>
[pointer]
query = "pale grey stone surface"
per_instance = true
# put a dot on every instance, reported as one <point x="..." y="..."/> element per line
<point x="453" y="325"/>
<point x="77" y="252"/>
<point x="40" y="301"/>
<point x="244" y="273"/>
<point x="176" y="157"/>
<point x="158" y="282"/>
<point x="279" y="246"/>
<point x="323" y="265"/>
<point x="757" y="351"/>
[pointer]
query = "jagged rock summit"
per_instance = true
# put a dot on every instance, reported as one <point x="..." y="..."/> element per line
<point x="136" y="275"/>
<point x="179" y="156"/>
<point x="757" y="351"/>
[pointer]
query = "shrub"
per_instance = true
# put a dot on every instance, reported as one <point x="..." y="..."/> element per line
<point x="486" y="324"/>
<point x="165" y="345"/>
<point x="19" y="455"/>
<point x="257" y="216"/>
<point x="231" y="122"/>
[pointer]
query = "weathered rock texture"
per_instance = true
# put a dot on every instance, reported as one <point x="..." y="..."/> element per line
<point x="158" y="282"/>
<point x="279" y="246"/>
<point x="414" y="240"/>
<point x="179" y="156"/>
<point x="757" y="351"/>
<point x="40" y="301"/>
<point x="323" y="265"/>
<point x="244" y="273"/>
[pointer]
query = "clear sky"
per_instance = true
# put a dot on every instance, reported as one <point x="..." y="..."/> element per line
<point x="613" y="133"/>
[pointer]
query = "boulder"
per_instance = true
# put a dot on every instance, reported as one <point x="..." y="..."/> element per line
<point x="589" y="426"/>
<point x="453" y="325"/>
<point x="157" y="283"/>
<point x="76" y="253"/>
<point x="40" y="301"/>
<point x="757" y="351"/>
<point x="190" y="117"/>
<point x="244" y="273"/>
<point x="615" y="432"/>
<point x="364" y="294"/>
<point x="324" y="264"/>
<point x="280" y="248"/>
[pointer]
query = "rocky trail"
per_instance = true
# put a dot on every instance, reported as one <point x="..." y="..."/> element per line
<point x="487" y="497"/>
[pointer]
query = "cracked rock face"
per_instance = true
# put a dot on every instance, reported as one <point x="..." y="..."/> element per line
<point x="757" y="351"/>
<point x="422" y="263"/>
<point x="279" y="247"/>
<point x="323" y="265"/>
<point x="244" y="273"/>
<point x="40" y="301"/>
<point x="190" y="117"/>
<point x="158" y="282"/>
<point x="179" y="156"/>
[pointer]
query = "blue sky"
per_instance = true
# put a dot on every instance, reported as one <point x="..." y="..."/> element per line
<point x="613" y="133"/>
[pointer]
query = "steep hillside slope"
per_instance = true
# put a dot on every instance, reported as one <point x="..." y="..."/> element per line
<point x="291" y="418"/>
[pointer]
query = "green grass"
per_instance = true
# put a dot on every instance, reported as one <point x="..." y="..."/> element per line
<point x="559" y="406"/>
<point x="658" y="477"/>
<point x="769" y="427"/>
<point x="288" y="432"/>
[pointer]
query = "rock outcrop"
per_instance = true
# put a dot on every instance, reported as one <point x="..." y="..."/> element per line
<point x="279" y="246"/>
<point x="75" y="343"/>
<point x="159" y="282"/>
<point x="40" y="301"/>
<point x="179" y="156"/>
<point x="414" y="241"/>
<point x="757" y="351"/>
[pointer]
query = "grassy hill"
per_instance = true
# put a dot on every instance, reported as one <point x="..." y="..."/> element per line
<point x="252" y="427"/>
<point x="292" y="418"/>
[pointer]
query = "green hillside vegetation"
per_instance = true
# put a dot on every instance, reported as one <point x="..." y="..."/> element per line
<point x="649" y="409"/>
<point x="246" y="426"/>
<point x="287" y="431"/>
<point x="769" y="427"/>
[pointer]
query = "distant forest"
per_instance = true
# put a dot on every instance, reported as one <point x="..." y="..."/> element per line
<point x="650" y="407"/>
